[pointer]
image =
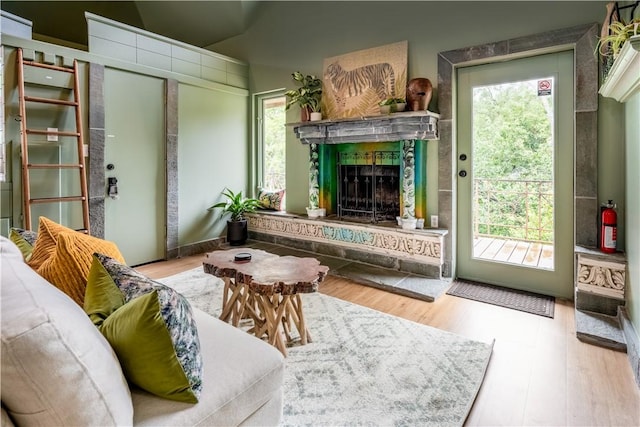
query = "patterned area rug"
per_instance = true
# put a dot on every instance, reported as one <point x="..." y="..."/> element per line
<point x="529" y="302"/>
<point x="365" y="367"/>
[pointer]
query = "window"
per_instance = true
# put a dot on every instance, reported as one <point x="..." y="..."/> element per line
<point x="270" y="140"/>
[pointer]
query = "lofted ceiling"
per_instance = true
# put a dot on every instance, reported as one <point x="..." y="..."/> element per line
<point x="198" y="23"/>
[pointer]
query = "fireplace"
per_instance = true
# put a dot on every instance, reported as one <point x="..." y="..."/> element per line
<point x="370" y="169"/>
<point x="368" y="185"/>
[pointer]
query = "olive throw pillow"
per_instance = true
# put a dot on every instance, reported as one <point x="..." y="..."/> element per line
<point x="150" y="327"/>
<point x="271" y="199"/>
<point x="24" y="240"/>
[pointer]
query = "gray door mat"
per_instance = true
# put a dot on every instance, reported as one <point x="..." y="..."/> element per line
<point x="529" y="302"/>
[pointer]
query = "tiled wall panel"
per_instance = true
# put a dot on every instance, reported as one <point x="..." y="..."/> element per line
<point x="116" y="40"/>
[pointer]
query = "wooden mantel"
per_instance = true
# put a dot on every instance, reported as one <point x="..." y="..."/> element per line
<point x="624" y="78"/>
<point x="412" y="125"/>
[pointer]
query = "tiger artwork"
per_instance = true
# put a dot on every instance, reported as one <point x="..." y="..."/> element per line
<point x="348" y="84"/>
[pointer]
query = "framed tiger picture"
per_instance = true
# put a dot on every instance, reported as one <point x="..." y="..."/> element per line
<point x="356" y="82"/>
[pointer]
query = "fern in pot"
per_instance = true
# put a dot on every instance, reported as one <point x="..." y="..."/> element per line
<point x="237" y="206"/>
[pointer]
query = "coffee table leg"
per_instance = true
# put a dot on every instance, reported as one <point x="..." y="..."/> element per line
<point x="272" y="311"/>
<point x="232" y="305"/>
<point x="226" y="307"/>
<point x="297" y="314"/>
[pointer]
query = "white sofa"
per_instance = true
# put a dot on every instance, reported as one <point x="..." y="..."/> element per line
<point x="57" y="369"/>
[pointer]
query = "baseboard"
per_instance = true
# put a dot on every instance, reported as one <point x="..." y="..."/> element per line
<point x="633" y="342"/>
<point x="196" y="248"/>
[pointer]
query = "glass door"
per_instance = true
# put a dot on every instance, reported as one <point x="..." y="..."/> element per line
<point x="515" y="174"/>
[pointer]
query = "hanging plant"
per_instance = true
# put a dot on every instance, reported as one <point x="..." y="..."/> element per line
<point x="619" y="32"/>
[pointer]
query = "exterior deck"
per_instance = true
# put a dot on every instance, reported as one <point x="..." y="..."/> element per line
<point x="532" y="254"/>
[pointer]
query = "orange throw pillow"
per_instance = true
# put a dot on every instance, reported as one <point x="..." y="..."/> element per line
<point x="68" y="267"/>
<point x="46" y="241"/>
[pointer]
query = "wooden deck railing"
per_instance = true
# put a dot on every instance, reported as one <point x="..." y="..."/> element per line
<point x="515" y="209"/>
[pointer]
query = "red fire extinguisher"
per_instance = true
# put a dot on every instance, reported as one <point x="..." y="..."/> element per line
<point x="609" y="228"/>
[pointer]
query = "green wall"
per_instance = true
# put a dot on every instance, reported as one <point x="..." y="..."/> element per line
<point x="212" y="155"/>
<point x="632" y="131"/>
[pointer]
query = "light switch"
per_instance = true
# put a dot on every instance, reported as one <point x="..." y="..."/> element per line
<point x="52" y="138"/>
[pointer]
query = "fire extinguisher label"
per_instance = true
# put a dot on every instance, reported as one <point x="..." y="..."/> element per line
<point x="610" y="237"/>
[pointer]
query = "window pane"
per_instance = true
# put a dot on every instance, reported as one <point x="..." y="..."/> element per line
<point x="273" y="148"/>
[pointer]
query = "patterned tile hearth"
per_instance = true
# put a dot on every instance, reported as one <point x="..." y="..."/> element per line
<point x="386" y="245"/>
<point x="407" y="284"/>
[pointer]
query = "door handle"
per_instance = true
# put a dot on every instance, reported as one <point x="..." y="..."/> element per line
<point x="112" y="191"/>
<point x="462" y="173"/>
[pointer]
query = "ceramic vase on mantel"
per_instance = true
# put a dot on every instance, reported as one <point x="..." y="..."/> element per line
<point x="305" y="114"/>
<point x="315" y="116"/>
<point x="419" y="92"/>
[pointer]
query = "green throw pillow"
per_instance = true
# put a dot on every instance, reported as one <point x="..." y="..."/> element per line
<point x="150" y="327"/>
<point x="24" y="240"/>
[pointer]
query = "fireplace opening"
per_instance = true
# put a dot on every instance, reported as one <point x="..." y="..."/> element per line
<point x="368" y="185"/>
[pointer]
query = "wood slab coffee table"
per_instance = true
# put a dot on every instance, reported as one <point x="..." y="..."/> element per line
<point x="267" y="290"/>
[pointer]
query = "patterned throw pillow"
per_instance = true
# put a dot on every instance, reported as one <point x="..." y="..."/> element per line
<point x="271" y="199"/>
<point x="46" y="242"/>
<point x="150" y="327"/>
<point x="24" y="240"/>
<point x="68" y="266"/>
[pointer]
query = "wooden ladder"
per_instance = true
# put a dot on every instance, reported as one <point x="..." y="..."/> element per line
<point x="77" y="133"/>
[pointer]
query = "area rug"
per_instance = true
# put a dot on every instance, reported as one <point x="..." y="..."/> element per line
<point x="365" y="367"/>
<point x="542" y="305"/>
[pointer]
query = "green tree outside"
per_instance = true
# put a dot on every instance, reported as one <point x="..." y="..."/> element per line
<point x="513" y="148"/>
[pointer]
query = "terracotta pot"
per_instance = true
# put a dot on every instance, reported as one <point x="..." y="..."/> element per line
<point x="305" y="114"/>
<point x="419" y="91"/>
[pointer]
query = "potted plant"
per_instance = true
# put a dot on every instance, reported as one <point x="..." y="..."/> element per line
<point x="237" y="206"/>
<point x="618" y="33"/>
<point x="314" y="106"/>
<point x="307" y="96"/>
<point x="392" y="105"/>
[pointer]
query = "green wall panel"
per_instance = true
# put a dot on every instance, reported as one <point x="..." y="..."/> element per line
<point x="212" y="155"/>
<point x="632" y="113"/>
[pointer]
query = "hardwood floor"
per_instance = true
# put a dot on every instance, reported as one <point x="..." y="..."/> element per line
<point x="539" y="373"/>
